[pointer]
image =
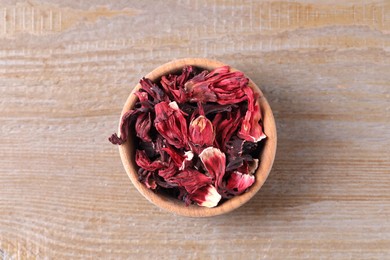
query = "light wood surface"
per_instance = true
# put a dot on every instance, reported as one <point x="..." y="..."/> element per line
<point x="67" y="67"/>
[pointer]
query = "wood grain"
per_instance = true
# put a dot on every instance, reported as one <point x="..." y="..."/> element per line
<point x="67" y="67"/>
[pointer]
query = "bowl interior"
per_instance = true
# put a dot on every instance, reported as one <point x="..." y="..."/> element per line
<point x="127" y="150"/>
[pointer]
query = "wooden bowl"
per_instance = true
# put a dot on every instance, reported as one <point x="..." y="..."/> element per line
<point x="127" y="150"/>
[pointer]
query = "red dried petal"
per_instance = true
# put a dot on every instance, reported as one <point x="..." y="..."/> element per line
<point x="142" y="96"/>
<point x="181" y="161"/>
<point x="175" y="156"/>
<point x="174" y="84"/>
<point x="234" y="147"/>
<point x="238" y="182"/>
<point x="248" y="167"/>
<point x="150" y="182"/>
<point x="115" y="139"/>
<point x="127" y="118"/>
<point x="202" y="131"/>
<point x="251" y="130"/>
<point x="144" y="162"/>
<point x="190" y="179"/>
<point x="219" y="86"/>
<point x="207" y="196"/>
<point x="169" y="171"/>
<point x="153" y="90"/>
<point x="171" y="124"/>
<point x="200" y="92"/>
<point x="225" y="128"/>
<point x="143" y="125"/>
<point x="214" y="161"/>
<point x="218" y="71"/>
<point x="228" y="86"/>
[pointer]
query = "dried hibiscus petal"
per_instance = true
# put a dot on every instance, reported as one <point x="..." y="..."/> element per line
<point x="226" y="127"/>
<point x="181" y="161"/>
<point x="250" y="129"/>
<point x="190" y="179"/>
<point x="174" y="84"/>
<point x="201" y="131"/>
<point x="144" y="162"/>
<point x="238" y="182"/>
<point x="197" y="134"/>
<point x="171" y="124"/>
<point x="214" y="161"/>
<point x="169" y="171"/>
<point x="127" y="118"/>
<point x="207" y="196"/>
<point x="143" y="125"/>
<point x="153" y="90"/>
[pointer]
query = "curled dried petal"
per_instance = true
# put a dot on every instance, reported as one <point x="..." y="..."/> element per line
<point x="189" y="155"/>
<point x="238" y="182"/>
<point x="214" y="161"/>
<point x="153" y="90"/>
<point x="127" y="119"/>
<point x="200" y="92"/>
<point x="174" y="84"/>
<point x="171" y="124"/>
<point x="142" y="96"/>
<point x="169" y="171"/>
<point x="251" y="130"/>
<point x="190" y="179"/>
<point x="206" y="196"/>
<point x="143" y="125"/>
<point x="202" y="131"/>
<point x="150" y="182"/>
<point x="144" y="162"/>
<point x="180" y="160"/>
<point x="226" y="127"/>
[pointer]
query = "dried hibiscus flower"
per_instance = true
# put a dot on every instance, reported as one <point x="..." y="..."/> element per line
<point x="197" y="134"/>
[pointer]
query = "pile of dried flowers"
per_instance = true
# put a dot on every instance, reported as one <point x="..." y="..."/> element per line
<point x="198" y="134"/>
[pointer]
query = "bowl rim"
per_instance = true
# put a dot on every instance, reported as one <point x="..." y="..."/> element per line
<point x="176" y="206"/>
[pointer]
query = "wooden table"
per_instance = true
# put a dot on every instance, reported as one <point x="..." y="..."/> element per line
<point x="67" y="67"/>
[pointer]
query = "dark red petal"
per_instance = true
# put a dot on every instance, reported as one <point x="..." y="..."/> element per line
<point x="251" y="130"/>
<point x="200" y="92"/>
<point x="190" y="179"/>
<point x="153" y="90"/>
<point x="142" y="96"/>
<point x="238" y="182"/>
<point x="202" y="131"/>
<point x="144" y="162"/>
<point x="185" y="75"/>
<point x="169" y="171"/>
<point x="175" y="156"/>
<point x="150" y="182"/>
<point x="226" y="127"/>
<point x="206" y="196"/>
<point x="168" y="83"/>
<point x="182" y="161"/>
<point x="143" y="125"/>
<point x="127" y="118"/>
<point x="149" y="148"/>
<point x="174" y="84"/>
<point x="214" y="161"/>
<point x="218" y="71"/>
<point x="115" y="139"/>
<point x="234" y="147"/>
<point x="171" y="124"/>
<point x="217" y="108"/>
